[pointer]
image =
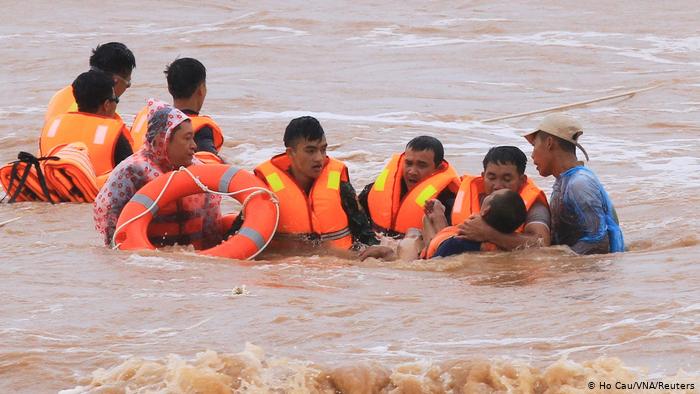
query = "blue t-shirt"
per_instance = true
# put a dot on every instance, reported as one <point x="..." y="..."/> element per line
<point x="583" y="217"/>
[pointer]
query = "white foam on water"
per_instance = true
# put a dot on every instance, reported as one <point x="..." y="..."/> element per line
<point x="139" y="29"/>
<point x="648" y="55"/>
<point x="691" y="308"/>
<point x="249" y="155"/>
<point x="9" y="36"/>
<point x="19" y="110"/>
<point x="689" y="166"/>
<point x="672" y="111"/>
<point x="158" y="295"/>
<point x="55" y="308"/>
<point x="676" y="45"/>
<point x="58" y="34"/>
<point x="487" y="20"/>
<point x="660" y="46"/>
<point x="611" y="110"/>
<point x="506" y="84"/>
<point x="8" y="136"/>
<point x="392" y="118"/>
<point x="458" y="21"/>
<point x="634" y="321"/>
<point x="210" y="29"/>
<point x="387" y="351"/>
<point x="213" y="26"/>
<point x="497" y="341"/>
<point x="571" y="39"/>
<point x="378" y="36"/>
<point x="282" y="29"/>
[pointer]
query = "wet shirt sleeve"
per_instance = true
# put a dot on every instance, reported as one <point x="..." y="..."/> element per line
<point x="358" y="221"/>
<point x="362" y="198"/>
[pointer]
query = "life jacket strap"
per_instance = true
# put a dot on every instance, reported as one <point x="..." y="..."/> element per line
<point x="30" y="160"/>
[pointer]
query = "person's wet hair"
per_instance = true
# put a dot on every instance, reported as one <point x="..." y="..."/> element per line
<point x="504" y="155"/>
<point x="507" y="212"/>
<point x="184" y="77"/>
<point x="304" y="128"/>
<point x="91" y="89"/>
<point x="113" y="58"/>
<point x="425" y="142"/>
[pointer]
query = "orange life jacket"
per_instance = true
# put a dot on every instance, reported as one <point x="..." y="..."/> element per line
<point x="63" y="102"/>
<point x="389" y="211"/>
<point x="65" y="175"/>
<point x="208" y="157"/>
<point x="140" y="128"/>
<point x="468" y="203"/>
<point x="316" y="217"/>
<point x="98" y="133"/>
<point x="71" y="176"/>
<point x="23" y="180"/>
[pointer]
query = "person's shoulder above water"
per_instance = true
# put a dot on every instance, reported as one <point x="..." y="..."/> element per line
<point x="581" y="181"/>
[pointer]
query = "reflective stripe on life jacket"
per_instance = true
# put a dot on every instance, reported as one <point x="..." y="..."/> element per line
<point x="98" y="133"/>
<point x="389" y="211"/>
<point x="317" y="217"/>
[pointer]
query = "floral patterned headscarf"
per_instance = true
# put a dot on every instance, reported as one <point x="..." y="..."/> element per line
<point x="162" y="120"/>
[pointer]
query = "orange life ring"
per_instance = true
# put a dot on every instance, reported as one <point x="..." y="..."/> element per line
<point x="260" y="212"/>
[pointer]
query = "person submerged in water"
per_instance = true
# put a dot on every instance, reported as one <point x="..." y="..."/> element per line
<point x="503" y="210"/>
<point x="169" y="144"/>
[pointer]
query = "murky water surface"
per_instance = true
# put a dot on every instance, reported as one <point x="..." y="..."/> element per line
<point x="78" y="317"/>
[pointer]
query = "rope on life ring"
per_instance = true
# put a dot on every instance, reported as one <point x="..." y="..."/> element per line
<point x="224" y="180"/>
